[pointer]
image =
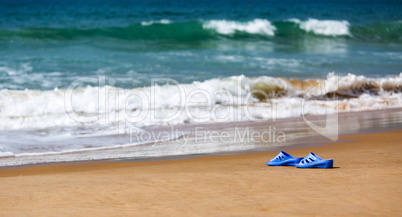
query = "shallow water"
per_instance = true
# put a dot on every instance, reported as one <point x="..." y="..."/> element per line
<point x="209" y="139"/>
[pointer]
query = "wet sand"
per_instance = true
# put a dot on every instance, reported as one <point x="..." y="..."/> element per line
<point x="198" y="139"/>
<point x="367" y="181"/>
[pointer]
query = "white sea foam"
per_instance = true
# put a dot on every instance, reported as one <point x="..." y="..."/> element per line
<point x="257" y="26"/>
<point x="294" y="20"/>
<point x="148" y="23"/>
<point x="22" y="69"/>
<point x="47" y="126"/>
<point x="6" y="153"/>
<point x="324" y="27"/>
<point x="44" y="109"/>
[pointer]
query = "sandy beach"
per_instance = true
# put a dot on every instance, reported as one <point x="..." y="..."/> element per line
<point x="366" y="182"/>
<point x="173" y="108"/>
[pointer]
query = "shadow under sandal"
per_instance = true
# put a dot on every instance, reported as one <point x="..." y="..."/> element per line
<point x="283" y="159"/>
<point x="313" y="161"/>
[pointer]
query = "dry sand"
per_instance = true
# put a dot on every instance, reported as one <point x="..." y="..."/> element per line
<point x="366" y="182"/>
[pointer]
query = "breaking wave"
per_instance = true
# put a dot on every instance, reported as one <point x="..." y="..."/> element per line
<point x="215" y="29"/>
<point x="257" y="26"/>
<point x="324" y="27"/>
<point x="42" y="109"/>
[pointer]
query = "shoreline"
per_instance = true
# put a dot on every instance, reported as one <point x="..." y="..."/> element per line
<point x="313" y="141"/>
<point x="217" y="185"/>
<point x="299" y="133"/>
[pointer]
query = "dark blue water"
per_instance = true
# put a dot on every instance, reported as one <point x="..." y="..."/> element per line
<point x="47" y="44"/>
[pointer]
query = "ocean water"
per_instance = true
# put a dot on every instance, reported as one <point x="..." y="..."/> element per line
<point x="267" y="56"/>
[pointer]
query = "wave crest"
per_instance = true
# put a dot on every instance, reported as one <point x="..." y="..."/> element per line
<point x="216" y="29"/>
<point x="257" y="26"/>
<point x="40" y="109"/>
<point x="325" y="27"/>
<point x="148" y="23"/>
<point x="349" y="86"/>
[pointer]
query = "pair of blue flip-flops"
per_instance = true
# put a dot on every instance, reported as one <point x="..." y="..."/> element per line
<point x="311" y="161"/>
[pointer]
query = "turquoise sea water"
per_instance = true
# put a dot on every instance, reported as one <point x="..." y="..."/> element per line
<point x="227" y="50"/>
<point x="47" y="44"/>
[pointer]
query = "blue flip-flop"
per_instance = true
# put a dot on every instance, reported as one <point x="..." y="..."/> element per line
<point x="283" y="159"/>
<point x="313" y="161"/>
